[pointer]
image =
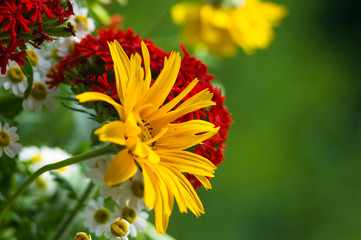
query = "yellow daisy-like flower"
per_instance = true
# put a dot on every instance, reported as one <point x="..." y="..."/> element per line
<point x="220" y="29"/>
<point x="151" y="140"/>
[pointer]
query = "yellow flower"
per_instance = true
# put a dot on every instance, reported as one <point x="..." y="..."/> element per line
<point x="151" y="140"/>
<point x="220" y="29"/>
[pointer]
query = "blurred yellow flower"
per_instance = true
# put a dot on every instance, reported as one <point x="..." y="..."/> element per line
<point x="151" y="141"/>
<point x="219" y="28"/>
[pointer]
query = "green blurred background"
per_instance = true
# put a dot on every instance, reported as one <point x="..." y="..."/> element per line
<point x="293" y="162"/>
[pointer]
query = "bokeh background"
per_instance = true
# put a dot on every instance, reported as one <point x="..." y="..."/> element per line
<point x="293" y="162"/>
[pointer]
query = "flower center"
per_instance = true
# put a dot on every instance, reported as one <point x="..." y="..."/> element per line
<point x="54" y="54"/>
<point x="4" y="139"/>
<point x="36" y="158"/>
<point x="146" y="130"/>
<point x="40" y="183"/>
<point x="33" y="57"/>
<point x="16" y="75"/>
<point x="81" y="236"/>
<point x="129" y="214"/>
<point x="102" y="216"/>
<point x="39" y="91"/>
<point x="81" y="20"/>
<point x="119" y="228"/>
<point x="137" y="188"/>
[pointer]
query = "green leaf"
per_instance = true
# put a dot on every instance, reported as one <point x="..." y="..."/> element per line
<point x="28" y="71"/>
<point x="10" y="106"/>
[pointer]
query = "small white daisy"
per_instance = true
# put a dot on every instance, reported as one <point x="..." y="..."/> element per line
<point x="14" y="79"/>
<point x="7" y="140"/>
<point x="40" y="94"/>
<point x="131" y="192"/>
<point x="64" y="46"/>
<point x="117" y="230"/>
<point x="80" y="21"/>
<point x="97" y="217"/>
<point x="137" y="219"/>
<point x="37" y="60"/>
<point x="44" y="185"/>
<point x="98" y="166"/>
<point x="82" y="236"/>
<point x="34" y="156"/>
<point x="39" y="157"/>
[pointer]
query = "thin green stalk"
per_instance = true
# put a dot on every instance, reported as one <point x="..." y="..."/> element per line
<point x="64" y="227"/>
<point x="109" y="149"/>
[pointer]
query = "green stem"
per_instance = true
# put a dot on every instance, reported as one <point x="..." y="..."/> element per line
<point x="64" y="227"/>
<point x="109" y="149"/>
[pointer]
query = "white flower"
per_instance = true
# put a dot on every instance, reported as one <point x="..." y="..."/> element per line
<point x="82" y="236"/>
<point x="98" y="166"/>
<point x="81" y="23"/>
<point x="40" y="94"/>
<point x="39" y="157"/>
<point x="137" y="219"/>
<point x="131" y="192"/>
<point x="64" y="46"/>
<point x="118" y="230"/>
<point x="97" y="217"/>
<point x="7" y="141"/>
<point x="37" y="60"/>
<point x="14" y="79"/>
<point x="44" y="184"/>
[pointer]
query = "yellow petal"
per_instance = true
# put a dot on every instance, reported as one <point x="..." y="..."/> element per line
<point x="97" y="96"/>
<point x="171" y="104"/>
<point x="149" y="186"/>
<point x="146" y="59"/>
<point x="198" y="101"/>
<point x="121" y="68"/>
<point x="112" y="132"/>
<point x="120" y="169"/>
<point x="204" y="180"/>
<point x="164" y="83"/>
<point x="188" y="162"/>
<point x="185" y="135"/>
<point x="131" y="127"/>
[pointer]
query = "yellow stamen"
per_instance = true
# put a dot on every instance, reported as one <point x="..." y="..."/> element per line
<point x="33" y="57"/>
<point x="39" y="91"/>
<point x="81" y="236"/>
<point x="54" y="54"/>
<point x="102" y="216"/>
<point x="36" y="158"/>
<point x="129" y="214"/>
<point x="146" y="130"/>
<point x="4" y="139"/>
<point x="137" y="188"/>
<point x="16" y="75"/>
<point x="119" y="228"/>
<point x="82" y="20"/>
<point x="63" y="169"/>
<point x="40" y="183"/>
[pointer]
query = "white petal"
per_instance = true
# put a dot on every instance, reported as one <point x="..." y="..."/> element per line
<point x="8" y="151"/>
<point x="38" y="106"/>
<point x="15" y="147"/>
<point x="6" y="127"/>
<point x="50" y="103"/>
<point x="13" y="137"/>
<point x="7" y="85"/>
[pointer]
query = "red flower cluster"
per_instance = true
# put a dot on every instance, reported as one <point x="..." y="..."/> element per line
<point x="24" y="16"/>
<point x="95" y="50"/>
